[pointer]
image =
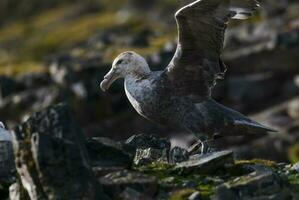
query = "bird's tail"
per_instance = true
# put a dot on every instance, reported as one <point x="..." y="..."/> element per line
<point x="243" y="9"/>
<point x="251" y="127"/>
<point x="238" y="123"/>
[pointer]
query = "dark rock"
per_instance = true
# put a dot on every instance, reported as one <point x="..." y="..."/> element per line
<point x="33" y="80"/>
<point x="251" y="89"/>
<point x="141" y="40"/>
<point x="17" y="105"/>
<point x="51" y="158"/>
<point x="115" y="183"/>
<point x="107" y="153"/>
<point x="56" y="121"/>
<point x="103" y="171"/>
<point x="149" y="155"/>
<point x="178" y="154"/>
<point x="4" y="187"/>
<point x="7" y="165"/>
<point x="256" y="184"/>
<point x="131" y="194"/>
<point x="144" y="141"/>
<point x="189" y="184"/>
<point x="223" y="193"/>
<point x="7" y="86"/>
<point x="206" y="163"/>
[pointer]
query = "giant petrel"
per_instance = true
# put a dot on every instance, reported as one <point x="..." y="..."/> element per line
<point x="180" y="95"/>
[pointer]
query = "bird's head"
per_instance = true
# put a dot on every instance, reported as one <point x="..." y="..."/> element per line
<point x="126" y="64"/>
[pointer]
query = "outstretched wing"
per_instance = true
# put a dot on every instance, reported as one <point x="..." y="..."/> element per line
<point x="197" y="62"/>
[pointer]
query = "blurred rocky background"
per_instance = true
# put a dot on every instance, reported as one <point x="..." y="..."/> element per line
<point x="58" y="51"/>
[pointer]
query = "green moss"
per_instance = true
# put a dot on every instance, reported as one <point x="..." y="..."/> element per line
<point x="293" y="179"/>
<point x="165" y="172"/>
<point x="158" y="169"/>
<point x="294" y="153"/>
<point x="267" y="163"/>
<point x="21" y="67"/>
<point x="28" y="42"/>
<point x="206" y="190"/>
<point x="181" y="194"/>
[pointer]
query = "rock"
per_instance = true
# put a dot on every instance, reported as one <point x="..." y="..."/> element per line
<point x="256" y="184"/>
<point x="142" y="39"/>
<point x="296" y="167"/>
<point x="194" y="196"/>
<point x="178" y="154"/>
<point x="105" y="152"/>
<point x="14" y="192"/>
<point x="115" y="183"/>
<point x="56" y="121"/>
<point x="168" y="180"/>
<point x="51" y="158"/>
<point x="293" y="109"/>
<point x="206" y="163"/>
<point x="189" y="184"/>
<point x="7" y="165"/>
<point x="17" y="192"/>
<point x="245" y="91"/>
<point x="149" y="155"/>
<point x="131" y="194"/>
<point x="60" y="71"/>
<point x="144" y="141"/>
<point x="7" y="86"/>
<point x="31" y="81"/>
<point x="103" y="171"/>
<point x="222" y="193"/>
<point x="15" y="106"/>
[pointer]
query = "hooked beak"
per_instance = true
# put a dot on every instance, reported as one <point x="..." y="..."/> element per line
<point x="110" y="77"/>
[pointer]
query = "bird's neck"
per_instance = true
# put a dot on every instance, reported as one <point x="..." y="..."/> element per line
<point x="139" y="73"/>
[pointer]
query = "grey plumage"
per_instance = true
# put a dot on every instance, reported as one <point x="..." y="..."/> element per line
<point x="180" y="95"/>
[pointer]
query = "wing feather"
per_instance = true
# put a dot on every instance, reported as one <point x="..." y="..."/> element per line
<point x="197" y="62"/>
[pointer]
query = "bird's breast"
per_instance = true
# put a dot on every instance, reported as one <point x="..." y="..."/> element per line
<point x="143" y="97"/>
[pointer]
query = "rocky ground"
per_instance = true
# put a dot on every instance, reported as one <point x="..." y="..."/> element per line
<point x="54" y="161"/>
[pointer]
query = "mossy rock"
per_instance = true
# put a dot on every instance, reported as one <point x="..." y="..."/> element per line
<point x="181" y="194"/>
<point x="294" y="153"/>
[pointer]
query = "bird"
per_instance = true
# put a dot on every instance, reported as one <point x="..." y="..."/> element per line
<point x="180" y="96"/>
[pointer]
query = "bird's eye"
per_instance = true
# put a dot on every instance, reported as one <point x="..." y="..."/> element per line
<point x="119" y="62"/>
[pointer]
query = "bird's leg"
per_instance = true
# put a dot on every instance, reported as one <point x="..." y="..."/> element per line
<point x="209" y="146"/>
<point x="195" y="148"/>
<point x="200" y="147"/>
<point x="203" y="146"/>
